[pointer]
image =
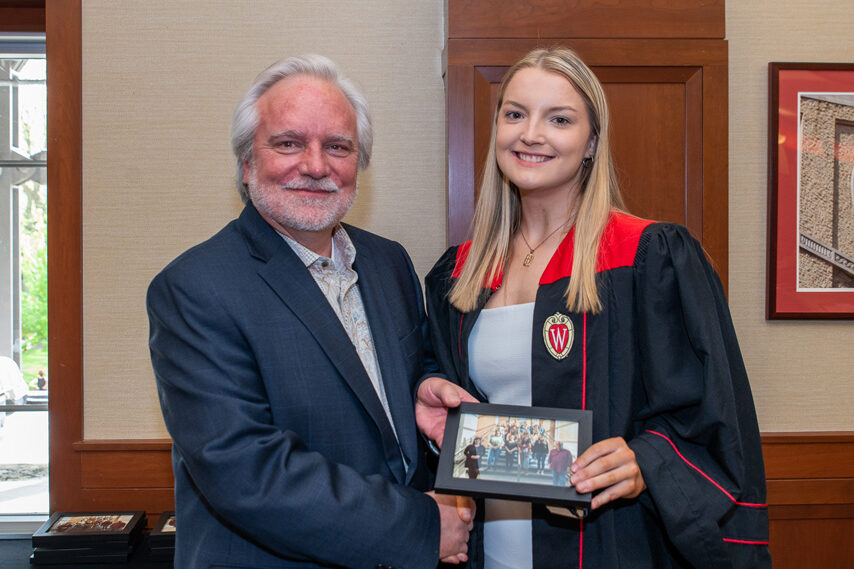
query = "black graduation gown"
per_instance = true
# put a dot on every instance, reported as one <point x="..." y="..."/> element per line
<point x="660" y="366"/>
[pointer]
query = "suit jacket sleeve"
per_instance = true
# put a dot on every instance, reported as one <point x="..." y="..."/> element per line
<point x="263" y="481"/>
<point x="699" y="448"/>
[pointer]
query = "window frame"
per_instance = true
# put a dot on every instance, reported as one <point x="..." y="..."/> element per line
<point x="26" y="23"/>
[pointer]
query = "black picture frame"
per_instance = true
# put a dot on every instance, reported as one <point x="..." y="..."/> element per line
<point x="87" y="529"/>
<point x="162" y="535"/>
<point x="466" y="422"/>
<point x="165" y="526"/>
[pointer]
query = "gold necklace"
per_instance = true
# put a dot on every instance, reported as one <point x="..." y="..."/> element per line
<point x="530" y="256"/>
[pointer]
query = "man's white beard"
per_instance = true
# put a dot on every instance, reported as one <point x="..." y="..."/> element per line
<point x="300" y="213"/>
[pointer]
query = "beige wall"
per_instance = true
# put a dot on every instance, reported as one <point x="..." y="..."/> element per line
<point x="801" y="371"/>
<point x="160" y="81"/>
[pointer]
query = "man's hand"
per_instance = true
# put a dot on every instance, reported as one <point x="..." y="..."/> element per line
<point x="456" y="514"/>
<point x="435" y="396"/>
<point x="609" y="464"/>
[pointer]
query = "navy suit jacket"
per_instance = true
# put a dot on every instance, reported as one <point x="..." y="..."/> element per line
<point x="282" y="453"/>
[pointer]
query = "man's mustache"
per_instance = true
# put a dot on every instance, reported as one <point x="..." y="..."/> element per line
<point x="316" y="184"/>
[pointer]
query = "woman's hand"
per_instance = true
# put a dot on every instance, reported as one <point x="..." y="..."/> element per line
<point x="610" y="466"/>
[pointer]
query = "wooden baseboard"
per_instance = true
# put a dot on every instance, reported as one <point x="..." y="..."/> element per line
<point x="809" y="475"/>
<point x="810" y="480"/>
<point x="128" y="474"/>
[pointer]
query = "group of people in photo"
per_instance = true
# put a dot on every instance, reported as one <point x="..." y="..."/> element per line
<point x="72" y="524"/>
<point x="525" y="450"/>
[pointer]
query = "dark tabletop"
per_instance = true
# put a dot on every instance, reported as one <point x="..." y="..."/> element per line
<point x="15" y="554"/>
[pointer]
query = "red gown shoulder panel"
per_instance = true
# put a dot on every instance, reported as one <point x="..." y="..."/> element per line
<point x="462" y="255"/>
<point x="619" y="246"/>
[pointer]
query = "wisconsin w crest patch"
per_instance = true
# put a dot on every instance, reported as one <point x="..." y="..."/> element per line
<point x="558" y="333"/>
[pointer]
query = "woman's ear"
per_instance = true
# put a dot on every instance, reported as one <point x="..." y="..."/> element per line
<point x="591" y="146"/>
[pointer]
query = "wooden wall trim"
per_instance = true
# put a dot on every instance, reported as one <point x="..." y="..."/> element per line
<point x="583" y="19"/>
<point x="630" y="52"/>
<point x="809" y="474"/>
<point x="122" y="445"/>
<point x="808" y="455"/>
<point x="715" y="176"/>
<point x="810" y="498"/>
<point x="816" y="491"/>
<point x="65" y="285"/>
<point x="812" y="512"/>
<point x="109" y="470"/>
<point x="22" y="19"/>
<point x="810" y="477"/>
<point x="807" y="437"/>
<point x="461" y="190"/>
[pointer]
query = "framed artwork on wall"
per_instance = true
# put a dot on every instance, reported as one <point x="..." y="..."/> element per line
<point x="810" y="191"/>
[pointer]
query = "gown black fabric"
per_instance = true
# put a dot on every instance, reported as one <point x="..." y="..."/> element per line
<point x="659" y="366"/>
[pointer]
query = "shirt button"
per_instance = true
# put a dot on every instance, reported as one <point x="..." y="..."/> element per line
<point x="324" y="264"/>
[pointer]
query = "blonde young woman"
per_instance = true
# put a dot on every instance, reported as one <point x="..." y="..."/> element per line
<point x="562" y="299"/>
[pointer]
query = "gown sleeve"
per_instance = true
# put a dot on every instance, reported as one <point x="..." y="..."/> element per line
<point x="698" y="446"/>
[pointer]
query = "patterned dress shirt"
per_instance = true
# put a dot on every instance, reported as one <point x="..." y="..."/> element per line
<point x="339" y="284"/>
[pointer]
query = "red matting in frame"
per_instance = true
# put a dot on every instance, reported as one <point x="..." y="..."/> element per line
<point x="786" y="81"/>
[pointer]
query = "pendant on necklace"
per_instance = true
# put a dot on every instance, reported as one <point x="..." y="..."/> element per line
<point x="528" y="258"/>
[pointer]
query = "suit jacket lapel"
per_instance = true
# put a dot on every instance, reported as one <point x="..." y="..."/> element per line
<point x="394" y="375"/>
<point x="285" y="273"/>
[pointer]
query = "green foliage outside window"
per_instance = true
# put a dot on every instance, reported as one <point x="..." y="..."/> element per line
<point x="33" y="238"/>
<point x="33" y="299"/>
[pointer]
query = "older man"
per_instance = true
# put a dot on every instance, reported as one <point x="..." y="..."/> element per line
<point x="287" y="349"/>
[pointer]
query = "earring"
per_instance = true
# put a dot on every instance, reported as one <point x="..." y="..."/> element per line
<point x="586" y="162"/>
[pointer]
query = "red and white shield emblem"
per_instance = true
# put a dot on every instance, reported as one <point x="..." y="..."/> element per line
<point x="558" y="333"/>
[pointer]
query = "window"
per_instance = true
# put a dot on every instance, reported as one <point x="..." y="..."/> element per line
<point x="24" y="377"/>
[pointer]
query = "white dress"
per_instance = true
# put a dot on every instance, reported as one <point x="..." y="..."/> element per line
<point x="500" y="366"/>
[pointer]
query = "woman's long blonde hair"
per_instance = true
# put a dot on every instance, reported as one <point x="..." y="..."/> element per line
<point x="498" y="212"/>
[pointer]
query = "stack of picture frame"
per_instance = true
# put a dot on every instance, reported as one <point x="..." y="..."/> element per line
<point x="161" y="542"/>
<point x="87" y="538"/>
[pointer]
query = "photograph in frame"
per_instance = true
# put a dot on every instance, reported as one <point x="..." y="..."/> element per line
<point x="82" y="529"/>
<point x="514" y="452"/>
<point x="811" y="191"/>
